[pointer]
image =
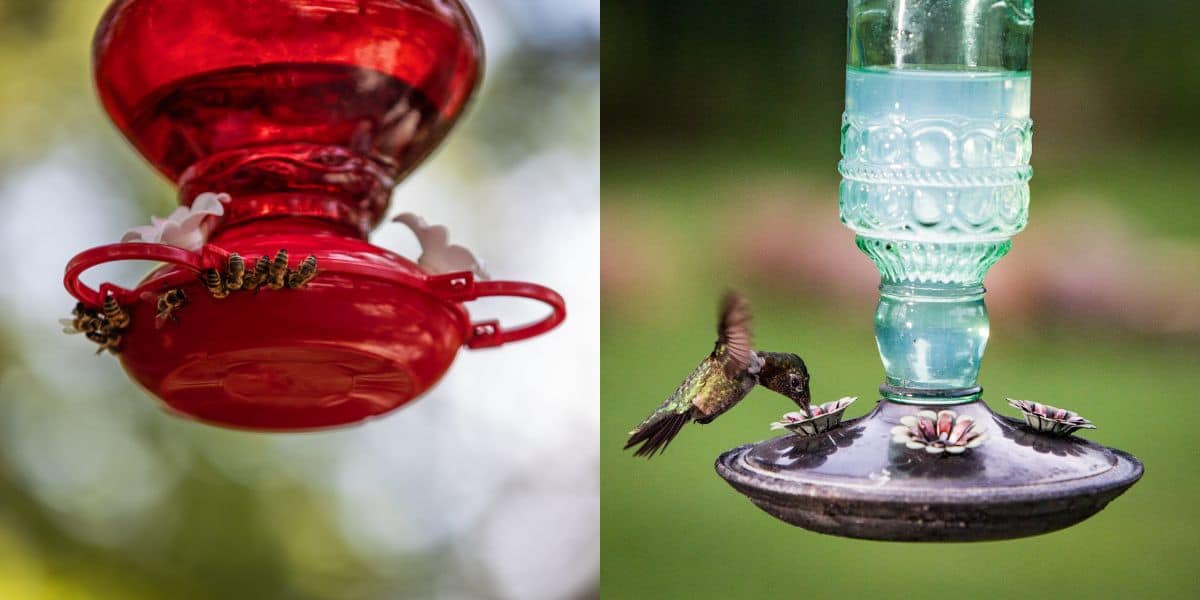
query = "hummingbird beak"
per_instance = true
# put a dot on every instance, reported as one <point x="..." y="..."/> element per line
<point x="804" y="399"/>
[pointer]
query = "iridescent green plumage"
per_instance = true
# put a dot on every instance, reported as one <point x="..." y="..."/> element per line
<point x="719" y="382"/>
<point x="722" y="380"/>
<point x="703" y="396"/>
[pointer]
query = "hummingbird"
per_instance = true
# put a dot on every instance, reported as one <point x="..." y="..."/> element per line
<point x="722" y="380"/>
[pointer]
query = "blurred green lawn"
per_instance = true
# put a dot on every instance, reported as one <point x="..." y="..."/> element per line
<point x="673" y="529"/>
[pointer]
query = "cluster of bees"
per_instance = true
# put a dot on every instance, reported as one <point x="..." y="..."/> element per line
<point x="268" y="273"/>
<point x="105" y="326"/>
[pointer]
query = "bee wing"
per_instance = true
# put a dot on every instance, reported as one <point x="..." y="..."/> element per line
<point x="68" y="326"/>
<point x="734" y="333"/>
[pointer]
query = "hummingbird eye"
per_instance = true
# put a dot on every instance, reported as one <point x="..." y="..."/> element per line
<point x="794" y="382"/>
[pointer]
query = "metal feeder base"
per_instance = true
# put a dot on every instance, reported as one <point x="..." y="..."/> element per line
<point x="853" y="481"/>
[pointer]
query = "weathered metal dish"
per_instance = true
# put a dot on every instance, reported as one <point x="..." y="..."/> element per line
<point x="866" y="486"/>
<point x="821" y="418"/>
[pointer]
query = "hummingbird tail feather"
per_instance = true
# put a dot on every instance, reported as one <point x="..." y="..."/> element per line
<point x="657" y="432"/>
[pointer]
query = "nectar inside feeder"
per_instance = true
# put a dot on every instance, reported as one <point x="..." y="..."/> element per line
<point x="936" y="140"/>
<point x="286" y="124"/>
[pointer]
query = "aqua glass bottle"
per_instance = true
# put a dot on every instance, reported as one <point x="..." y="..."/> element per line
<point x="936" y="142"/>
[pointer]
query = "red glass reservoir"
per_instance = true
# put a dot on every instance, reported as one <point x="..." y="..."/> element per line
<point x="318" y="104"/>
<point x="307" y="113"/>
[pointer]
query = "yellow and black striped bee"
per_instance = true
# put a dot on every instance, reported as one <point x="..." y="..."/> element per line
<point x="168" y="303"/>
<point x="116" y="316"/>
<point x="103" y="326"/>
<point x="258" y="276"/>
<point x="276" y="277"/>
<point x="235" y="272"/>
<point x="98" y="336"/>
<point x="84" y="320"/>
<point x="212" y="282"/>
<point x="108" y="338"/>
<point x="304" y="273"/>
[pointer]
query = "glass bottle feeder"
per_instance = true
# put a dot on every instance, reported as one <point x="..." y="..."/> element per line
<point x="286" y="124"/>
<point x="936" y="141"/>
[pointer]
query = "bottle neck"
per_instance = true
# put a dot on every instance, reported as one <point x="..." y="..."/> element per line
<point x="344" y="189"/>
<point x="931" y="338"/>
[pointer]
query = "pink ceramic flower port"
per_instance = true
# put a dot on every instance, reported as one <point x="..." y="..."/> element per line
<point x="822" y="418"/>
<point x="1050" y="419"/>
<point x="943" y="431"/>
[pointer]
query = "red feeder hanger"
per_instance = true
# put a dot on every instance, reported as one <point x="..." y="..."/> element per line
<point x="306" y="112"/>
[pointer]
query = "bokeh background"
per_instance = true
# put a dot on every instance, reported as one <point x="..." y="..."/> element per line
<point x="486" y="488"/>
<point x="721" y="124"/>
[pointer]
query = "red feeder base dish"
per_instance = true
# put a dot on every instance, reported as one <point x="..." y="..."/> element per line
<point x="306" y="113"/>
<point x="368" y="334"/>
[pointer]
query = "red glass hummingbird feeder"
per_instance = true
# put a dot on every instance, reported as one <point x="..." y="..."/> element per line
<point x="302" y="115"/>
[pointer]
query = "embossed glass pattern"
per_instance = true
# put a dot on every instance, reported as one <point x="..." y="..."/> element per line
<point x="936" y="143"/>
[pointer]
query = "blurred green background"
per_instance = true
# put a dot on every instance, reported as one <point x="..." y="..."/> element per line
<point x="485" y="488"/>
<point x="721" y="125"/>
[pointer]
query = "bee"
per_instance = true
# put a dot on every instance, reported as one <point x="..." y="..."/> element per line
<point x="278" y="272"/>
<point x="116" y="316"/>
<point x="110" y="341"/>
<point x="235" y="272"/>
<point x="168" y="303"/>
<point x="212" y="281"/>
<point x="84" y="321"/>
<point x="304" y="273"/>
<point x="100" y="326"/>
<point x="258" y="276"/>
<point x="108" y="337"/>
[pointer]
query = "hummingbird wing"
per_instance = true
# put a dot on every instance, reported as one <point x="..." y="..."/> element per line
<point x="734" y="348"/>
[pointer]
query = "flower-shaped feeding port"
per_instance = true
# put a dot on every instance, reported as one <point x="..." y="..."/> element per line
<point x="941" y="432"/>
<point x="821" y="418"/>
<point x="185" y="227"/>
<point x="1050" y="419"/>
<point x="438" y="255"/>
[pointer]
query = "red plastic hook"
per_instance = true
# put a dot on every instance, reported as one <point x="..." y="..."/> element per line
<point x="462" y="287"/>
<point x="122" y="251"/>
<point x="488" y="334"/>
